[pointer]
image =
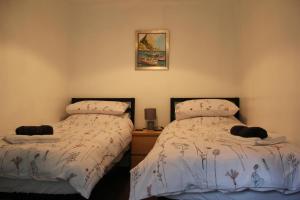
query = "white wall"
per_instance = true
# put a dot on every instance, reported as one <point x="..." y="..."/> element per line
<point x="270" y="64"/>
<point x="203" y="51"/>
<point x="53" y="50"/>
<point x="33" y="62"/>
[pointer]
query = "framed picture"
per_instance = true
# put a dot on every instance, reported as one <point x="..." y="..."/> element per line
<point x="152" y="50"/>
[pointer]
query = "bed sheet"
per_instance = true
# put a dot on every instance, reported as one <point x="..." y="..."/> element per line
<point x="200" y="155"/>
<point x="244" y="195"/>
<point x="44" y="187"/>
<point x="89" y="144"/>
<point x="37" y="187"/>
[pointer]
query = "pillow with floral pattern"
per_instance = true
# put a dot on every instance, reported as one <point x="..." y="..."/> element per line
<point x="205" y="108"/>
<point x="97" y="107"/>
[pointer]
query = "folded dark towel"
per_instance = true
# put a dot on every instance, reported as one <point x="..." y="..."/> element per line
<point x="245" y="131"/>
<point x="35" y="130"/>
<point x="235" y="130"/>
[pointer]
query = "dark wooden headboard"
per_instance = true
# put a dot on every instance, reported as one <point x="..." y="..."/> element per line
<point x="174" y="101"/>
<point x="130" y="101"/>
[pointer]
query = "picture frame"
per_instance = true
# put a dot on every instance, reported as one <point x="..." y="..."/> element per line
<point x="152" y="50"/>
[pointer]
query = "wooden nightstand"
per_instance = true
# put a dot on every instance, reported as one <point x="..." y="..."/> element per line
<point x="142" y="143"/>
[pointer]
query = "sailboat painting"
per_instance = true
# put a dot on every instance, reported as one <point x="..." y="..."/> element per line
<point x="152" y="50"/>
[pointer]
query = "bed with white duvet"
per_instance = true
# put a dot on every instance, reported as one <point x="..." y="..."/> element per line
<point x="197" y="158"/>
<point x="89" y="144"/>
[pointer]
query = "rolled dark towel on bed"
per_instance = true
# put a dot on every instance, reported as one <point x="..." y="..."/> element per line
<point x="245" y="131"/>
<point x="235" y="130"/>
<point x="35" y="130"/>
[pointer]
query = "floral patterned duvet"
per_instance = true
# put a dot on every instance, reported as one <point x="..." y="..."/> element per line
<point x="200" y="155"/>
<point x="89" y="144"/>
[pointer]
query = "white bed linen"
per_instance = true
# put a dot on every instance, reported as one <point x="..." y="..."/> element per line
<point x="89" y="144"/>
<point x="199" y="155"/>
<point x="23" y="139"/>
<point x="33" y="186"/>
<point x="243" y="195"/>
<point x="45" y="187"/>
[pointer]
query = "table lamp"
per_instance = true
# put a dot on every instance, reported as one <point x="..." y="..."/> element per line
<point x="150" y="117"/>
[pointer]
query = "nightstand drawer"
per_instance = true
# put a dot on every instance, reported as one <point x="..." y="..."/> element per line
<point x="142" y="145"/>
<point x="136" y="160"/>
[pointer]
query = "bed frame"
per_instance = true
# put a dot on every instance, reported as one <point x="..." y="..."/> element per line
<point x="130" y="101"/>
<point x="174" y="101"/>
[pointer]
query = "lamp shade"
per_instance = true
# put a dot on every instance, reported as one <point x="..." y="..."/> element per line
<point x="150" y="114"/>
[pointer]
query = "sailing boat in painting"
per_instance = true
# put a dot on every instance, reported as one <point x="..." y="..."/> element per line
<point x="151" y="50"/>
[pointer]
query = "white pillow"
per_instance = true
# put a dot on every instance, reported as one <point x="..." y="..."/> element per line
<point x="205" y="108"/>
<point x="97" y="107"/>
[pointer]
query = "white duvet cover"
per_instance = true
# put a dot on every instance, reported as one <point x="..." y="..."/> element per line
<point x="200" y="155"/>
<point x="88" y="145"/>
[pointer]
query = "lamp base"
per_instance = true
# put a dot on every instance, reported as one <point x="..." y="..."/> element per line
<point x="150" y="125"/>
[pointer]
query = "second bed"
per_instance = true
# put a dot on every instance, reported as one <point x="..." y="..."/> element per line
<point x="196" y="157"/>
